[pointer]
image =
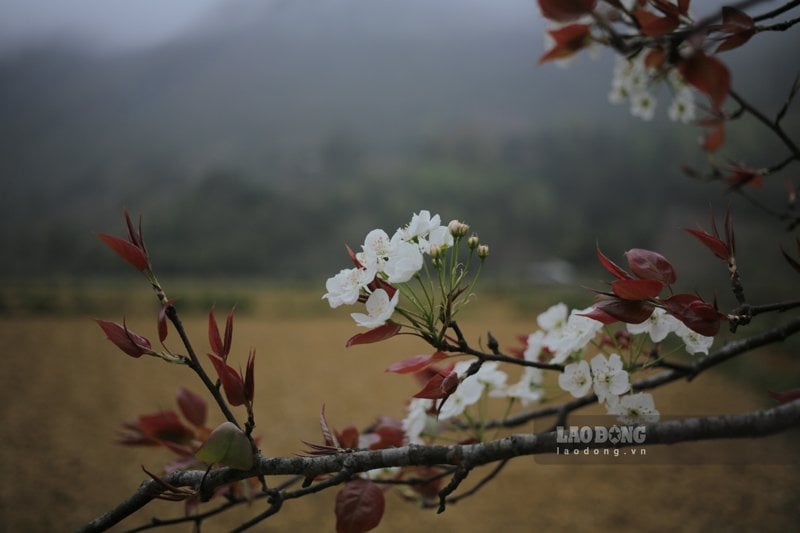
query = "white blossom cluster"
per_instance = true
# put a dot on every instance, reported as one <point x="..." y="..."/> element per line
<point x="394" y="259"/>
<point x="632" y="82"/>
<point x="660" y="324"/>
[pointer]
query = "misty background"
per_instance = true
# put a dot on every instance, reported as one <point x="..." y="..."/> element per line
<point x="258" y="138"/>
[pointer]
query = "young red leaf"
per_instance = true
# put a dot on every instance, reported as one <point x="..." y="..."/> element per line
<point x="441" y="385"/>
<point x="786" y="396"/>
<point x="126" y="340"/>
<point x="629" y="311"/>
<point x="226" y="343"/>
<point x="715" y="137"/>
<point x="600" y="315"/>
<point x="416" y="363"/>
<point x="390" y="433"/>
<point x="327" y="435"/>
<point x="696" y="314"/>
<point x="163" y="329"/>
<point x="214" y="340"/>
<point x="568" y="40"/>
<point x="611" y="266"/>
<point x="655" y="58"/>
<point x="192" y="406"/>
<point x="231" y="380"/>
<point x="742" y="175"/>
<point x="715" y="244"/>
<point x="637" y="289"/>
<point x="348" y="438"/>
<point x="165" y="426"/>
<point x="708" y="75"/>
<point x="131" y="253"/>
<point x="359" y="506"/>
<point x="565" y="10"/>
<point x="650" y="265"/>
<point x="654" y="26"/>
<point x="381" y="333"/>
<point x="249" y="376"/>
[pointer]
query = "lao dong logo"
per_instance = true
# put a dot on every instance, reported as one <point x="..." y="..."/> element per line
<point x="601" y="435"/>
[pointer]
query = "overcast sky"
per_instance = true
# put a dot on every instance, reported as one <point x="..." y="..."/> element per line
<point x="106" y="22"/>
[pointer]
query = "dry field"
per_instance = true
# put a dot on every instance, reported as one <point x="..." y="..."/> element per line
<point x="65" y="390"/>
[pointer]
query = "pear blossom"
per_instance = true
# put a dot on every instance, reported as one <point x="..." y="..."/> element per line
<point x="421" y="224"/>
<point x="658" y="326"/>
<point x="636" y="408"/>
<point x="470" y="390"/>
<point x="403" y="261"/>
<point x="534" y="345"/>
<point x="379" y="309"/>
<point x="345" y="287"/>
<point x="643" y="105"/>
<point x="528" y="389"/>
<point x="609" y="377"/>
<point x="376" y="249"/>
<point x="553" y="318"/>
<point x="682" y="108"/>
<point x="574" y="335"/>
<point x="695" y="343"/>
<point x="417" y="420"/>
<point x="576" y="379"/>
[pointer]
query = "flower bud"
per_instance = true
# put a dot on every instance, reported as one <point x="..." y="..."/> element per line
<point x="434" y="251"/>
<point x="473" y="241"/>
<point x="483" y="251"/>
<point x="457" y="228"/>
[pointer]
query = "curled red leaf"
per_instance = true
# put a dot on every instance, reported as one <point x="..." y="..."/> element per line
<point x="231" y="380"/>
<point x="359" y="506"/>
<point x="650" y="265"/>
<point x="131" y="253"/>
<point x="611" y="266"/>
<point x="381" y="333"/>
<point x="126" y="340"/>
<point x="565" y="10"/>
<point x="416" y="363"/>
<point x="249" y="377"/>
<point x="192" y="406"/>
<point x="708" y="75"/>
<point x="568" y="40"/>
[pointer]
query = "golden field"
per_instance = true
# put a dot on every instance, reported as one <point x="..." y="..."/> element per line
<point x="65" y="390"/>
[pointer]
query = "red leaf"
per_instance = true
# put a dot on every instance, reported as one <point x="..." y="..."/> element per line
<point x="654" y="26"/>
<point x="708" y="75"/>
<point x="416" y="363"/>
<point x="231" y="380"/>
<point x="381" y="333"/>
<point x="192" y="406"/>
<point x="441" y="385"/>
<point x="696" y="314"/>
<point x="348" y="438"/>
<point x="568" y="40"/>
<point x="655" y="58"/>
<point x="131" y="253"/>
<point x="629" y="311"/>
<point x="359" y="506"/>
<point x="715" y="137"/>
<point x="214" y="340"/>
<point x="226" y="343"/>
<point x="743" y="175"/>
<point x="327" y="435"/>
<point x="390" y="433"/>
<point x="786" y="396"/>
<point x="715" y="244"/>
<point x="249" y="376"/>
<point x="126" y="340"/>
<point x="165" y="426"/>
<point x="565" y="10"/>
<point x="637" y="289"/>
<point x="650" y="265"/>
<point x="163" y="329"/>
<point x="611" y="266"/>
<point x="600" y="315"/>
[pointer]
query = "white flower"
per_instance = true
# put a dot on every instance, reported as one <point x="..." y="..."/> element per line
<point x="658" y="326"/>
<point x="643" y="105"/>
<point x="421" y="224"/>
<point x="572" y="336"/>
<point x="379" y="309"/>
<point x="695" y="343"/>
<point x="345" y="287"/>
<point x="440" y="237"/>
<point x="609" y="377"/>
<point x="636" y="408"/>
<point x="555" y="317"/>
<point x="470" y="390"/>
<point x="377" y="247"/>
<point x="528" y="389"/>
<point x="682" y="108"/>
<point x="576" y="379"/>
<point x="417" y="419"/>
<point x="534" y="345"/>
<point x="403" y="261"/>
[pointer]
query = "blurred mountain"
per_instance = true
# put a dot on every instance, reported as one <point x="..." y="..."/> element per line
<point x="277" y="123"/>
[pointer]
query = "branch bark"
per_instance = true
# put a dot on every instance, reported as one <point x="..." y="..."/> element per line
<point x="747" y="425"/>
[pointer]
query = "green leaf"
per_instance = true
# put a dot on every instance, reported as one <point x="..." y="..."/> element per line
<point x="227" y="445"/>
